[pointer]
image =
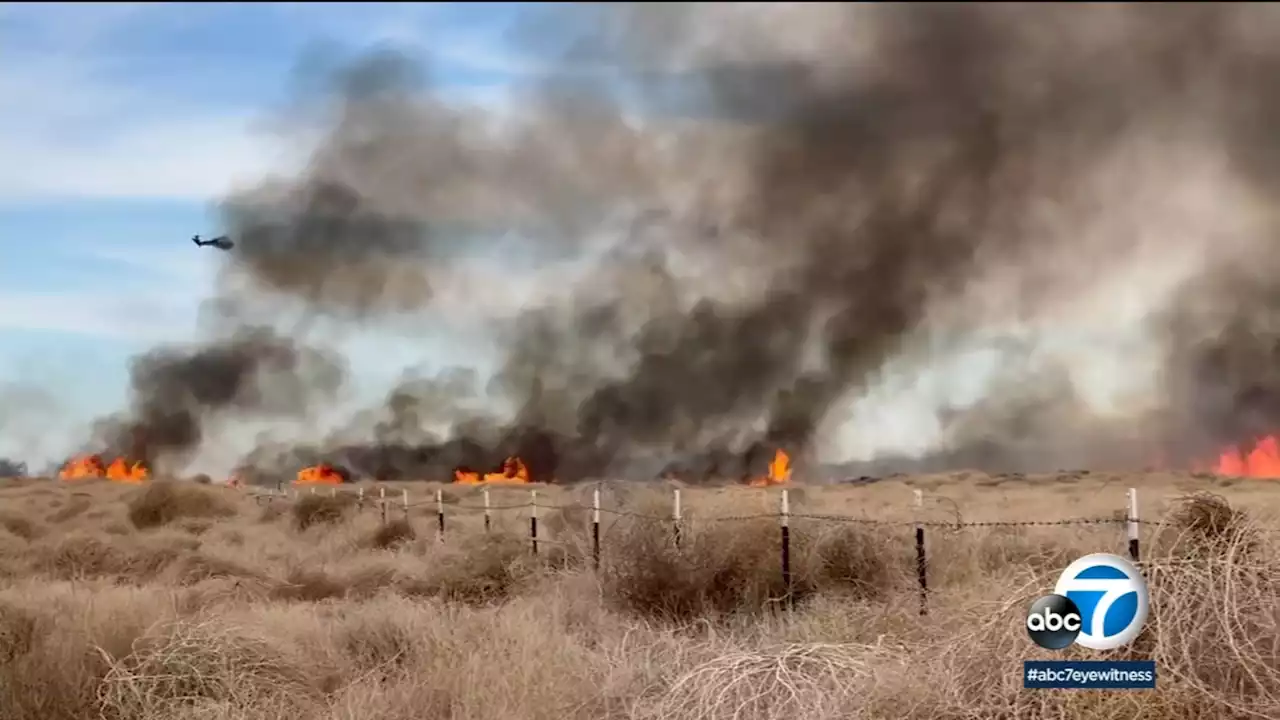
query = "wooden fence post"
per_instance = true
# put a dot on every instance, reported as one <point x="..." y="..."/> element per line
<point x="784" y="519"/>
<point x="675" y="518"/>
<point x="382" y="503"/>
<point x="404" y="502"/>
<point x="488" y="512"/>
<point x="595" y="528"/>
<point x="922" y="564"/>
<point x="1134" y="553"/>
<point x="360" y="499"/>
<point x="313" y="489"/>
<point x="533" y="520"/>
<point x="440" y="515"/>
<point x="333" y="492"/>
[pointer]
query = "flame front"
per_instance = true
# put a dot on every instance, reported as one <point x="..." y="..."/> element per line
<point x="321" y="474"/>
<point x="91" y="466"/>
<point x="120" y="471"/>
<point x="83" y="467"/>
<point x="779" y="471"/>
<point x="513" y="471"/>
<point x="1262" y="462"/>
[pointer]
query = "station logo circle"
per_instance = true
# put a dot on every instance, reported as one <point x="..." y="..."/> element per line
<point x="1111" y="597"/>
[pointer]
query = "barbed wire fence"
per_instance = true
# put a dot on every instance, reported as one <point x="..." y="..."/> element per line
<point x="784" y="515"/>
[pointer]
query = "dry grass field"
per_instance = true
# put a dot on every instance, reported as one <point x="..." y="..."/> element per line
<point x="182" y="600"/>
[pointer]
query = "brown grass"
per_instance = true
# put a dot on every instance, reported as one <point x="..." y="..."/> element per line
<point x="317" y="509"/>
<point x="185" y="600"/>
<point x="162" y="502"/>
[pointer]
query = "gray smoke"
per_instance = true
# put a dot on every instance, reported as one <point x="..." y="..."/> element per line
<point x="12" y="468"/>
<point x="753" y="211"/>
<point x="177" y="391"/>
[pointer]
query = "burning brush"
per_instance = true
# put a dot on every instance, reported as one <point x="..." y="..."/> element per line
<point x="87" y="467"/>
<point x="513" y="471"/>
<point x="322" y="474"/>
<point x="1263" y="461"/>
<point x="778" y="474"/>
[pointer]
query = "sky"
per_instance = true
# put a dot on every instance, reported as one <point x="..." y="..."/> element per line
<point x="123" y="126"/>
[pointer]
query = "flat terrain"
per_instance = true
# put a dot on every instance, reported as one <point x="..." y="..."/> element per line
<point x="180" y="600"/>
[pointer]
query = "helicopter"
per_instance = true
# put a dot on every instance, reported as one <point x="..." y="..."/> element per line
<point x="222" y="242"/>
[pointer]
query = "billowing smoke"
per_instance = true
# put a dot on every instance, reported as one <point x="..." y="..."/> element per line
<point x="741" y="220"/>
<point x="177" y="392"/>
<point x="12" y="468"/>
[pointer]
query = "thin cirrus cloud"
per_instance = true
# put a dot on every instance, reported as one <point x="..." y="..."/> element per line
<point x="101" y="106"/>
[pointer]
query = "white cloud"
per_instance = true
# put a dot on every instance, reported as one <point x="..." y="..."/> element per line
<point x="77" y="126"/>
<point x="101" y="312"/>
<point x="81" y="135"/>
<point x="152" y="296"/>
<point x="176" y="158"/>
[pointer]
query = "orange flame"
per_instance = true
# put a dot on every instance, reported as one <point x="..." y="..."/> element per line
<point x="120" y="471"/>
<point x="779" y="471"/>
<point x="1261" y="462"/>
<point x="83" y="467"/>
<point x="321" y="474"/>
<point x="513" y="471"/>
<point x="91" y="466"/>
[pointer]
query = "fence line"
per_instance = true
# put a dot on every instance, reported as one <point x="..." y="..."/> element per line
<point x="784" y="516"/>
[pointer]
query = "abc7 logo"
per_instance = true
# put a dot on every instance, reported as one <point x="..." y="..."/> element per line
<point x="1054" y="622"/>
<point x="1115" y="605"/>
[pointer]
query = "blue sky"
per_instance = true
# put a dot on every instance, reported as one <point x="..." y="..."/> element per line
<point x="124" y="123"/>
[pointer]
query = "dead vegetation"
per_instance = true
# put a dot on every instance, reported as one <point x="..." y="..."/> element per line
<point x="180" y="600"/>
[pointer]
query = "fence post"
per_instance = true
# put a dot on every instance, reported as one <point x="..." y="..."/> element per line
<point x="488" y="512"/>
<point x="440" y="515"/>
<point x="922" y="564"/>
<point x="382" y="503"/>
<point x="675" y="518"/>
<point x="784" y="519"/>
<point x="360" y="499"/>
<point x="313" y="489"/>
<point x="404" y="502"/>
<point x="595" y="528"/>
<point x="1133" y="525"/>
<point x="333" y="492"/>
<point x="533" y="520"/>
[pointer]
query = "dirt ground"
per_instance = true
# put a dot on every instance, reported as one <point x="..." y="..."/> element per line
<point x="175" y="599"/>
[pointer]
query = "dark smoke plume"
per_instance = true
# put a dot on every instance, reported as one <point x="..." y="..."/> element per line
<point x="12" y="468"/>
<point x="755" y="210"/>
<point x="177" y="391"/>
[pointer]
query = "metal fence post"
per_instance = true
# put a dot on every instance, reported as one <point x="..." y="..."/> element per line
<point x="440" y="514"/>
<point x="784" y="519"/>
<point x="922" y="564"/>
<point x="595" y="528"/>
<point x="1133" y="525"/>
<point x="675" y="519"/>
<point x="533" y="520"/>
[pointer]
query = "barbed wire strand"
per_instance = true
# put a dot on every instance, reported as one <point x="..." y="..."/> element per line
<point x="695" y="517"/>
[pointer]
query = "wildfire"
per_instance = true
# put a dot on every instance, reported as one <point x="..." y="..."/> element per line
<point x="321" y="474"/>
<point x="779" y="471"/>
<point x="513" y="471"/>
<point x="91" y="466"/>
<point x="1262" y="462"/>
<point x="120" y="471"/>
